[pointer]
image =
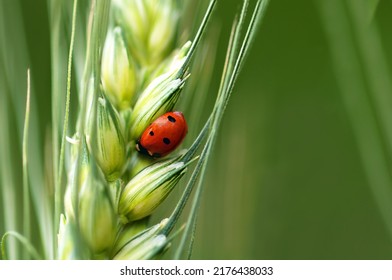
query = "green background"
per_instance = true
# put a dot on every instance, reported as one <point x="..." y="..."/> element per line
<point x="288" y="177"/>
<point x="287" y="180"/>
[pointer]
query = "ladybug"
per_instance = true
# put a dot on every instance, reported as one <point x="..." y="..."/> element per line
<point x="164" y="135"/>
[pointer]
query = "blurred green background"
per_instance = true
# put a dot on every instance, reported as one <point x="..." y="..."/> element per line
<point x="301" y="168"/>
<point x="288" y="181"/>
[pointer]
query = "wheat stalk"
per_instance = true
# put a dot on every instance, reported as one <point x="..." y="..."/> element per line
<point x="135" y="69"/>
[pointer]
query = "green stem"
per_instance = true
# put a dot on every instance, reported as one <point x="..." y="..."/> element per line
<point x="26" y="191"/>
<point x="58" y="188"/>
<point x="201" y="167"/>
<point x="196" y="41"/>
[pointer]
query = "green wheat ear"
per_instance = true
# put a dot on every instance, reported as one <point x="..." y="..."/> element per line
<point x="128" y="70"/>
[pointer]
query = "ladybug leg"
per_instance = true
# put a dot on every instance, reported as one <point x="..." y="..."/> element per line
<point x="141" y="149"/>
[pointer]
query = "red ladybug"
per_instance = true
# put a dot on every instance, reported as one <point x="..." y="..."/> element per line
<point x="163" y="135"/>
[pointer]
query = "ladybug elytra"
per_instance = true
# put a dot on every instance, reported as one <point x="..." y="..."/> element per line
<point x="164" y="135"/>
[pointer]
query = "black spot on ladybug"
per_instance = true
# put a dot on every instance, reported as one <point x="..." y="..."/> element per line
<point x="166" y="141"/>
<point x="151" y="133"/>
<point x="171" y="119"/>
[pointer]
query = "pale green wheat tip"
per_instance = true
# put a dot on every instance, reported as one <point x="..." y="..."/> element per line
<point x="145" y="245"/>
<point x="146" y="191"/>
<point x="107" y="143"/>
<point x="119" y="79"/>
<point x="67" y="240"/>
<point x="161" y="94"/>
<point x="128" y="232"/>
<point x="97" y="218"/>
<point x="150" y="27"/>
<point x="82" y="167"/>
